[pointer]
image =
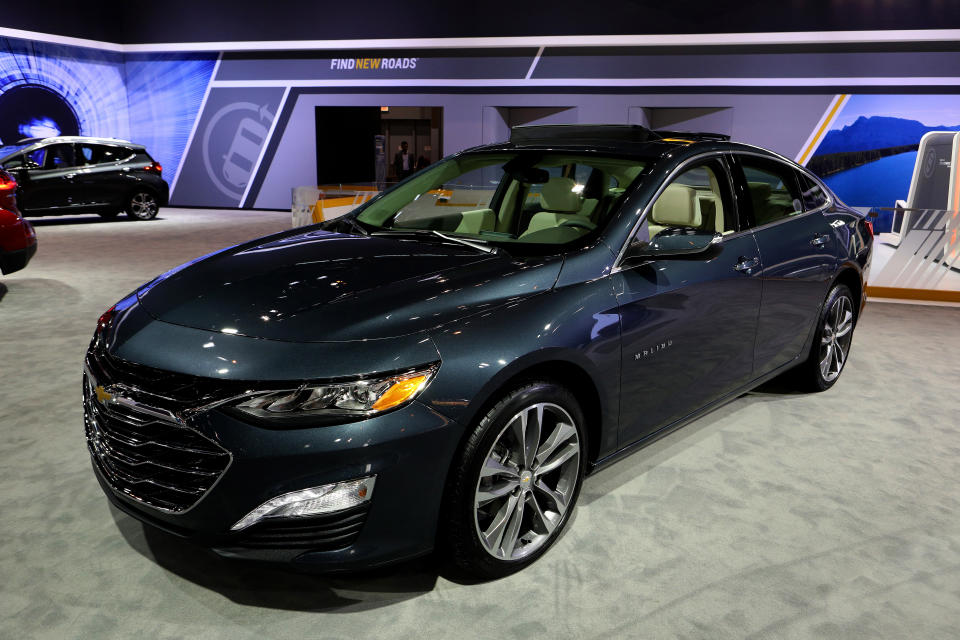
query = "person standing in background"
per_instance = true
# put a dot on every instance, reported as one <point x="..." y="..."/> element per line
<point x="403" y="162"/>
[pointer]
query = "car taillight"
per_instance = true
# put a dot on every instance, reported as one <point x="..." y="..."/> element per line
<point x="869" y="227"/>
<point x="7" y="183"/>
<point x="154" y="167"/>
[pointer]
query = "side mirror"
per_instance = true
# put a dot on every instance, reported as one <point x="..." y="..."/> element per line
<point x="18" y="172"/>
<point x="671" y="245"/>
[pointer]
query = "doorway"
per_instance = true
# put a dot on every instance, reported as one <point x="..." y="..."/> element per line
<point x="347" y="144"/>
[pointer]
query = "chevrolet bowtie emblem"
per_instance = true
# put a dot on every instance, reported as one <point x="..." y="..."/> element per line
<point x="103" y="396"/>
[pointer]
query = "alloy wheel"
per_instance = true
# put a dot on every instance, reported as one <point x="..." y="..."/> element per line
<point x="527" y="481"/>
<point x="143" y="205"/>
<point x="835" y="338"/>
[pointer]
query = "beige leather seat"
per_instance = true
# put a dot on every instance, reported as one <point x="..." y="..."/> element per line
<point x="476" y="221"/>
<point x="561" y="205"/>
<point x="677" y="206"/>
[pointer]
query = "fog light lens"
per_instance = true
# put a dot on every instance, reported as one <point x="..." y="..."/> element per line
<point x="311" y="502"/>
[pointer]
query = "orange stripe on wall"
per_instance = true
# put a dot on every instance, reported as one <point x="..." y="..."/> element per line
<point x="899" y="293"/>
<point x="826" y="123"/>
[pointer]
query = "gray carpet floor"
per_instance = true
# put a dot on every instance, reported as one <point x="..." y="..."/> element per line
<point x="833" y="515"/>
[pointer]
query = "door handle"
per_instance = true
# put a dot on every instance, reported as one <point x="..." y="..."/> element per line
<point x="819" y="241"/>
<point x="70" y="176"/>
<point x="746" y="264"/>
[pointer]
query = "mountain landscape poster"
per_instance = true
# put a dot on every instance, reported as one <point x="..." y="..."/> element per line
<point x="867" y="156"/>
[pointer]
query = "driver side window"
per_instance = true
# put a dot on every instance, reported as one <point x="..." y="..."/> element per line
<point x="60" y="156"/>
<point x="696" y="201"/>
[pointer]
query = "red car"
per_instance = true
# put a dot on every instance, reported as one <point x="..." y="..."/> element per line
<point x="18" y="240"/>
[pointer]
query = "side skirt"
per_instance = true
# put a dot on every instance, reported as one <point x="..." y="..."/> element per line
<point x="673" y="426"/>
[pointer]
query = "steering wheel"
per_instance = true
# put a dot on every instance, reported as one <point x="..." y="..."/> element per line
<point x="582" y="224"/>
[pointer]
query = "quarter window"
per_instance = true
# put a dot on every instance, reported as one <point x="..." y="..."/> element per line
<point x="772" y="189"/>
<point x="812" y="193"/>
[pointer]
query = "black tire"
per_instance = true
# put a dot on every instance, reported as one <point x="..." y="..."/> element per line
<point x="534" y="508"/>
<point x="814" y="374"/>
<point x="109" y="215"/>
<point x="142" y="205"/>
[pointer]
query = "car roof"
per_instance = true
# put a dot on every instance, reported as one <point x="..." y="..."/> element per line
<point x="619" y="139"/>
<point x="76" y="139"/>
<point x="27" y="145"/>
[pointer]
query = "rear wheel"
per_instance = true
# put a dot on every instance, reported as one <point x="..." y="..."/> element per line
<point x="517" y="481"/>
<point x="142" y="205"/>
<point x="832" y="341"/>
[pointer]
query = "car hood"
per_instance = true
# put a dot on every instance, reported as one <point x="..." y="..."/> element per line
<point x="319" y="286"/>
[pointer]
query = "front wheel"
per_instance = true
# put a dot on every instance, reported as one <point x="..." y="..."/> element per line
<point x="142" y="205"/>
<point x="517" y="480"/>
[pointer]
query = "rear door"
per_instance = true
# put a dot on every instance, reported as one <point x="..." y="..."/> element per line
<point x="101" y="174"/>
<point x="796" y="246"/>
<point x="688" y="323"/>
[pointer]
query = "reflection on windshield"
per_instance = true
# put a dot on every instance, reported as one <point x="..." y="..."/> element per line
<point x="13" y="148"/>
<point x="523" y="197"/>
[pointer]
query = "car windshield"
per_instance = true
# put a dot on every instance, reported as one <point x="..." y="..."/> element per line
<point x="12" y="148"/>
<point x="529" y="201"/>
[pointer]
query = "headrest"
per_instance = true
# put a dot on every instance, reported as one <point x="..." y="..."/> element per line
<point x="558" y="195"/>
<point x="677" y="206"/>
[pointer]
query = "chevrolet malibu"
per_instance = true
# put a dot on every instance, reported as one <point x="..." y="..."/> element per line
<point x="440" y="368"/>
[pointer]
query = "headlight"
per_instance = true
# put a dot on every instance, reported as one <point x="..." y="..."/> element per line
<point x="358" y="398"/>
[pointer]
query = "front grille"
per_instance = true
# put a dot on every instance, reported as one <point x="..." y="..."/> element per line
<point x="145" y="453"/>
<point x="159" y="388"/>
<point x="317" y="533"/>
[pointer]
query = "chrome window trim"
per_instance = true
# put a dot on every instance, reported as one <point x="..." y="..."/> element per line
<point x="762" y="153"/>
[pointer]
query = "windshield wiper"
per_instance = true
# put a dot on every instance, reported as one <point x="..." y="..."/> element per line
<point x="479" y="245"/>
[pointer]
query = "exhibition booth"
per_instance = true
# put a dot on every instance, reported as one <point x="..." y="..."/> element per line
<point x="404" y="320"/>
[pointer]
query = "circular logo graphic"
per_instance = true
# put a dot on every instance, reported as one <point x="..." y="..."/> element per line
<point x="35" y="111"/>
<point x="929" y="163"/>
<point x="231" y="145"/>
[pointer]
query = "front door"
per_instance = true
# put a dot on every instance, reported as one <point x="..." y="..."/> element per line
<point x="688" y="324"/>
<point x="52" y="183"/>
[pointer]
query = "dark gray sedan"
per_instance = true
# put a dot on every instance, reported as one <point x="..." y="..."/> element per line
<point x="443" y="366"/>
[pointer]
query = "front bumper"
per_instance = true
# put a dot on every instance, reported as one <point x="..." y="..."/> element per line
<point x="409" y="451"/>
<point x="11" y="261"/>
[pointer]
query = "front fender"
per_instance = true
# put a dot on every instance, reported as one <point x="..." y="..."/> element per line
<point x="578" y="325"/>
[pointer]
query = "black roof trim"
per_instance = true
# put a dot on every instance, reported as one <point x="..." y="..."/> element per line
<point x="619" y="134"/>
<point x="691" y="135"/>
<point x="581" y="133"/>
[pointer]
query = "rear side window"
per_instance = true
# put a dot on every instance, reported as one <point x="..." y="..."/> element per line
<point x="772" y="188"/>
<point x="811" y="192"/>
<point x="88" y="154"/>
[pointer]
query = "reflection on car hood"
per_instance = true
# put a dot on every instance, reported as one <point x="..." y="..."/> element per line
<point x="320" y="286"/>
